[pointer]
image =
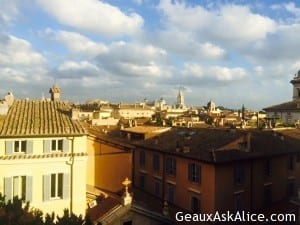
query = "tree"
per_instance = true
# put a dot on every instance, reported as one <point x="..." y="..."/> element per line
<point x="15" y="212"/>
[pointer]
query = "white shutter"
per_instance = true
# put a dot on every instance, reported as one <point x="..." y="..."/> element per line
<point x="9" y="145"/>
<point x="65" y="145"/>
<point x="66" y="186"/>
<point x="8" y="188"/>
<point x="29" y="188"/>
<point x="47" y="146"/>
<point x="47" y="187"/>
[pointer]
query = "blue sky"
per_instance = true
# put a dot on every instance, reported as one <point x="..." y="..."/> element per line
<point x="231" y="52"/>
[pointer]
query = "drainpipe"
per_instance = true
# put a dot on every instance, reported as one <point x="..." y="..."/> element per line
<point x="163" y="178"/>
<point x="71" y="164"/>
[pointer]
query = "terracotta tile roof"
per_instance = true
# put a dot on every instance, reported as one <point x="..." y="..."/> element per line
<point x="206" y="144"/>
<point x="289" y="106"/>
<point x="103" y="207"/>
<point x="34" y="118"/>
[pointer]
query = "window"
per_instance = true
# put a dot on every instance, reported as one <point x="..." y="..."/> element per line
<point x="291" y="188"/>
<point x="239" y="175"/>
<point x="171" y="166"/>
<point x="156" y="165"/>
<point x="267" y="168"/>
<point x="57" y="145"/>
<point x="194" y="173"/>
<point x="20" y="186"/>
<point x="171" y="193"/>
<point x="142" y="158"/>
<point x="290" y="162"/>
<point x="195" y="204"/>
<point x="238" y="202"/>
<point x="267" y="196"/>
<point x="20" y="146"/>
<point x="142" y="180"/>
<point x="56" y="185"/>
<point x="157" y="188"/>
<point x="127" y="223"/>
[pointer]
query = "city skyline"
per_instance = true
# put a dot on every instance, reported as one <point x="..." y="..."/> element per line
<point x="231" y="52"/>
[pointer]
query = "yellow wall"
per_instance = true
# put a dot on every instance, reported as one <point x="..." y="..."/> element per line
<point x="38" y="167"/>
<point x="107" y="165"/>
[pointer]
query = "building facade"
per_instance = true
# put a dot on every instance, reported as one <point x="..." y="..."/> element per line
<point x="208" y="170"/>
<point x="287" y="112"/>
<point x="43" y="156"/>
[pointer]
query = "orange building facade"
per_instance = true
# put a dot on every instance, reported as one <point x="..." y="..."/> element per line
<point x="218" y="170"/>
<point x="109" y="162"/>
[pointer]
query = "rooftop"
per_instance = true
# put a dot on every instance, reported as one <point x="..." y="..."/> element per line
<point x="35" y="118"/>
<point x="222" y="145"/>
<point x="291" y="106"/>
<point x="146" y="129"/>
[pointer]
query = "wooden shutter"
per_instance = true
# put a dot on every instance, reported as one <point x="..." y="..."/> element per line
<point x="29" y="149"/>
<point x="9" y="145"/>
<point x="47" y="146"/>
<point x="47" y="187"/>
<point x="65" y="145"/>
<point x="8" y="188"/>
<point x="29" y="188"/>
<point x="66" y="186"/>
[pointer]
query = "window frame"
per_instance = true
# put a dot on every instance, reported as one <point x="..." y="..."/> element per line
<point x="171" y="193"/>
<point x="239" y="174"/>
<point x="56" y="185"/>
<point x="20" y="182"/>
<point x="56" y="144"/>
<point x="268" y="168"/>
<point x="156" y="162"/>
<point x="21" y="145"/>
<point x="142" y="158"/>
<point x="171" y="166"/>
<point x="194" y="173"/>
<point x="195" y="208"/>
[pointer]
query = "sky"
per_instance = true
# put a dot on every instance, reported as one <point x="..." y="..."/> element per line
<point x="231" y="52"/>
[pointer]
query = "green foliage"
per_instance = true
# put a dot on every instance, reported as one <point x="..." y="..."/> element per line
<point x="16" y="212"/>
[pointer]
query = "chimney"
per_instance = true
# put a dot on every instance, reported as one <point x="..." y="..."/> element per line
<point x="55" y="93"/>
<point x="186" y="149"/>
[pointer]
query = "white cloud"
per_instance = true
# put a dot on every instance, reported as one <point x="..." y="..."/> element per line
<point x="18" y="52"/>
<point x="213" y="73"/>
<point x="291" y="7"/>
<point x="234" y="23"/>
<point x="209" y="50"/>
<point x="75" y="42"/>
<point x="76" y="66"/>
<point x="185" y="17"/>
<point x="11" y="74"/>
<point x="8" y="11"/>
<point x="141" y="70"/>
<point x="93" y="16"/>
<point x="139" y="2"/>
<point x="239" y="23"/>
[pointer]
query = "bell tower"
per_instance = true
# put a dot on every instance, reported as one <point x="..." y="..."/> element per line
<point x="55" y="93"/>
<point x="296" y="86"/>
